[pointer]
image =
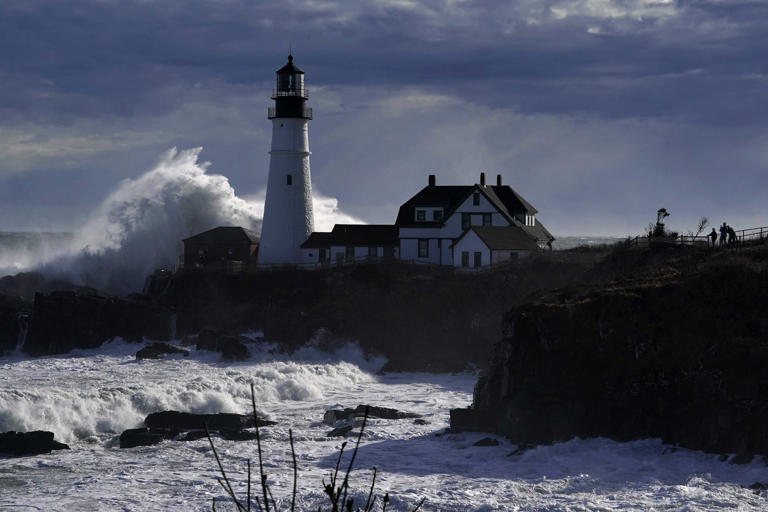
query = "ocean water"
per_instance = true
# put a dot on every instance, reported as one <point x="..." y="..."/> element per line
<point x="87" y="398"/>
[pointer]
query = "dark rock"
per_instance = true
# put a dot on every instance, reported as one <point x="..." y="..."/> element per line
<point x="237" y="435"/>
<point x="66" y="320"/>
<point x="228" y="434"/>
<point x="331" y="416"/>
<point x="521" y="449"/>
<point x="487" y="441"/>
<point x="471" y="420"/>
<point x="29" y="443"/>
<point x="758" y="486"/>
<point x="158" y="350"/>
<point x="741" y="458"/>
<point x="420" y="421"/>
<point x="146" y="436"/>
<point x="193" y="435"/>
<point x="384" y="413"/>
<point x="14" y="318"/>
<point x="678" y="354"/>
<point x="339" y="432"/>
<point x="231" y="347"/>
<point x="189" y="421"/>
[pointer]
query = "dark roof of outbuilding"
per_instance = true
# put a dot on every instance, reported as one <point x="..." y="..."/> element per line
<point x="504" y="238"/>
<point x="359" y="235"/>
<point x="365" y="234"/>
<point x="318" y="240"/>
<point x="290" y="68"/>
<point x="450" y="197"/>
<point x="225" y="235"/>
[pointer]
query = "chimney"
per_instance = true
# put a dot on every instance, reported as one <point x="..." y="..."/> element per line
<point x="431" y="180"/>
<point x="498" y="180"/>
<point x="482" y="179"/>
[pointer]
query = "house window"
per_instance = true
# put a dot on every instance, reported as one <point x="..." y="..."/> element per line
<point x="423" y="248"/>
<point x="486" y="219"/>
<point x="464" y="258"/>
<point x="478" y="259"/>
<point x="466" y="221"/>
<point x="289" y="179"/>
<point x="476" y="199"/>
<point x="421" y="215"/>
<point x="437" y="215"/>
<point x="349" y="253"/>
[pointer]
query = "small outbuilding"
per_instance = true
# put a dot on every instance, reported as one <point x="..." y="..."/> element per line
<point x="221" y="247"/>
<point x="349" y="243"/>
<point x="481" y="246"/>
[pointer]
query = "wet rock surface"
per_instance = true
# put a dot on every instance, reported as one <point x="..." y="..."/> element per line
<point x="679" y="354"/>
<point x="331" y="416"/>
<point x="230" y="346"/>
<point x="29" y="443"/>
<point x="189" y="421"/>
<point x="66" y="320"/>
<point x="159" y="350"/>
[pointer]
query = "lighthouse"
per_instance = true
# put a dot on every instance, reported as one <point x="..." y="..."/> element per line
<point x="288" y="218"/>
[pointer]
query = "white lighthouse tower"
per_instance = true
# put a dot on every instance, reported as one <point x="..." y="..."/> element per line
<point x="288" y="218"/>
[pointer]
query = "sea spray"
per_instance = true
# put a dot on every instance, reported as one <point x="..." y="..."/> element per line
<point x="140" y="225"/>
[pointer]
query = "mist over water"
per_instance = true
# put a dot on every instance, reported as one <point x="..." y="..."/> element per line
<point x="139" y="227"/>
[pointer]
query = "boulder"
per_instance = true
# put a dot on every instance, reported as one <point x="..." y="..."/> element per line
<point x="29" y="443"/>
<point x="229" y="435"/>
<point x="158" y="350"/>
<point x="231" y="347"/>
<point x="331" y="416"/>
<point x="189" y="421"/>
<point x="146" y="436"/>
<point x="67" y="320"/>
<point x="340" y="432"/>
<point x="487" y="441"/>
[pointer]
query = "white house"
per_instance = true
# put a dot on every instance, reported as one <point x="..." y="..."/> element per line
<point x="480" y="246"/>
<point x="440" y="225"/>
<point x="432" y="221"/>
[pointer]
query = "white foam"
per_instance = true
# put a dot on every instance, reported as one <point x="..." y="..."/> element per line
<point x="86" y="397"/>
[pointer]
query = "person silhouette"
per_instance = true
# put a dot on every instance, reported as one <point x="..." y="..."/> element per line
<point x="713" y="236"/>
<point x="723" y="234"/>
<point x="731" y="237"/>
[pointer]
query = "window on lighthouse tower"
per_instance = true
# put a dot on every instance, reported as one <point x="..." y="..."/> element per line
<point x="289" y="179"/>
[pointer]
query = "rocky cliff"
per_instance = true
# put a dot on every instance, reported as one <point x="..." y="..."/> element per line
<point x="421" y="319"/>
<point x="65" y="320"/>
<point x="679" y="351"/>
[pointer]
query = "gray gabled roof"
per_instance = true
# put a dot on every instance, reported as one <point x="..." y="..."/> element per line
<point x="503" y="238"/>
<point x="358" y="235"/>
<point x="508" y="202"/>
<point x="318" y="240"/>
<point x="225" y="235"/>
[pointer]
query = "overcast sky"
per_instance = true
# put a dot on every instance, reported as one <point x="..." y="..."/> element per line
<point x="599" y="112"/>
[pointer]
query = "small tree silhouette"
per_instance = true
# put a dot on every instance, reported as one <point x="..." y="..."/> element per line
<point x="337" y="495"/>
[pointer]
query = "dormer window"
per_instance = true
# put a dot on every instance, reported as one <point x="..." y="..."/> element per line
<point x="437" y="215"/>
<point x="476" y="199"/>
<point x="421" y="215"/>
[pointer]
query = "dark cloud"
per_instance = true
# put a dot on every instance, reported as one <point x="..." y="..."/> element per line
<point x="592" y="107"/>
